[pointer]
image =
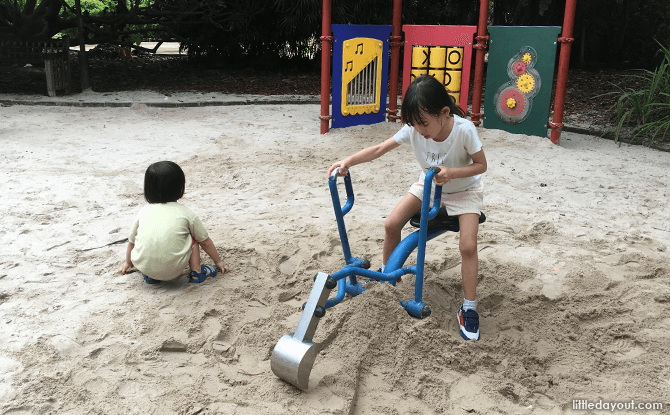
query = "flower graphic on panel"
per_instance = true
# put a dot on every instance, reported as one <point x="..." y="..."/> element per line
<point x="514" y="99"/>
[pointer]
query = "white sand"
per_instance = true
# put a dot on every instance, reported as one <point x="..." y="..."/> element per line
<point x="574" y="291"/>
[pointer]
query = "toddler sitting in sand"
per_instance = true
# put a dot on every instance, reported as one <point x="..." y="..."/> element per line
<point x="166" y="236"/>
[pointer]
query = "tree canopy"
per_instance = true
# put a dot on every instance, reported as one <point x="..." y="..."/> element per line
<point x="622" y="33"/>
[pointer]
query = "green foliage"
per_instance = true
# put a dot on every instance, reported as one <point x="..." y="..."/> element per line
<point x="102" y="8"/>
<point x="615" y="33"/>
<point x="96" y="8"/>
<point x="648" y="109"/>
<point x="618" y="34"/>
<point x="253" y="30"/>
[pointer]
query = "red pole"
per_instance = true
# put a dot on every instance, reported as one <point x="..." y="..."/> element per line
<point x="480" y="47"/>
<point x="326" y="42"/>
<point x="395" y="42"/>
<point x="565" y="40"/>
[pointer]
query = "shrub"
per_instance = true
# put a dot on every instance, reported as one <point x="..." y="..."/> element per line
<point x="648" y="109"/>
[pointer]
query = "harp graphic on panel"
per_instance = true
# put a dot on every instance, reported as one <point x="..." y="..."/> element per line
<point x="361" y="76"/>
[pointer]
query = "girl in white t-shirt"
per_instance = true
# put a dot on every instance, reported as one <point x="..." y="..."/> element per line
<point x="166" y="236"/>
<point x="441" y="137"/>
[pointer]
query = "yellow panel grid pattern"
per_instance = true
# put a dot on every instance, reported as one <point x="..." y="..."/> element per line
<point x="452" y="81"/>
<point x="437" y="58"/>
<point x="456" y="96"/>
<point x="416" y="72"/>
<point x="437" y="74"/>
<point x="444" y="63"/>
<point x="361" y="76"/>
<point x="420" y="57"/>
<point x="454" y="58"/>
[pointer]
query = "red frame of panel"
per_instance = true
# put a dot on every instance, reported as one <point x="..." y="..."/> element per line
<point x="431" y="35"/>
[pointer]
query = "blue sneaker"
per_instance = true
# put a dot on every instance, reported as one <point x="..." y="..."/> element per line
<point x="150" y="280"/>
<point x="206" y="271"/>
<point x="469" y="324"/>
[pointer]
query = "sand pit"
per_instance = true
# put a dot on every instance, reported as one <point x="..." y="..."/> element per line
<point x="574" y="284"/>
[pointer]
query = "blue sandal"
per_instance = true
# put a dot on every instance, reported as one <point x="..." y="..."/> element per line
<point x="150" y="280"/>
<point x="205" y="272"/>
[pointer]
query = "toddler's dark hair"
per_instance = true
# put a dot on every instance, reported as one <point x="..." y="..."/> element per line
<point x="164" y="182"/>
<point x="426" y="95"/>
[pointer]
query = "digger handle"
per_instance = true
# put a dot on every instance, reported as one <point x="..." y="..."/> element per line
<point x="437" y="199"/>
<point x="334" y="173"/>
<point x="332" y="180"/>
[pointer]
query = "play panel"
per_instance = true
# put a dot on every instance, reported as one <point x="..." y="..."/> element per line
<point x="519" y="78"/>
<point x="360" y="74"/>
<point x="444" y="52"/>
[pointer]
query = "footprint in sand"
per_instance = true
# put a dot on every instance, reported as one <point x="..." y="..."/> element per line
<point x="319" y="255"/>
<point x="552" y="285"/>
<point x="288" y="265"/>
<point x="491" y="302"/>
<point x="628" y="350"/>
<point x="65" y="345"/>
<point x="167" y="314"/>
<point x="211" y="327"/>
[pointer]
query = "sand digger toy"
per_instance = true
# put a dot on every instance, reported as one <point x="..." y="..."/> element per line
<point x="294" y="354"/>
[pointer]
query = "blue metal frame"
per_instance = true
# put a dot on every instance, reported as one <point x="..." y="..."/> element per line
<point x="394" y="268"/>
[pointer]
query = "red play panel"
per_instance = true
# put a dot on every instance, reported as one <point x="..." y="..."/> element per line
<point x="430" y="35"/>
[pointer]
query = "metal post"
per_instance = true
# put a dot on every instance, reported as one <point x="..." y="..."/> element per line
<point x="326" y="46"/>
<point x="395" y="42"/>
<point x="565" y="40"/>
<point x="480" y="47"/>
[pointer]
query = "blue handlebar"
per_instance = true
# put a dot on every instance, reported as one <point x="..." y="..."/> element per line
<point x="341" y="211"/>
<point x="332" y="183"/>
<point x="427" y="187"/>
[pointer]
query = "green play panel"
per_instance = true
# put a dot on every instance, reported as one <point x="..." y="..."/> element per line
<point x="519" y="78"/>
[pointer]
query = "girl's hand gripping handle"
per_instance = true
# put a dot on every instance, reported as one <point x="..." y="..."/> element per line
<point x="332" y="183"/>
<point x="437" y="199"/>
<point x="338" y="171"/>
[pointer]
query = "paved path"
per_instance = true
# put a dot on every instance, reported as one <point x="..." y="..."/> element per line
<point x="154" y="99"/>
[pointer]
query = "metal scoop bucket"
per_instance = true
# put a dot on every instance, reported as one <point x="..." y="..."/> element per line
<point x="294" y="354"/>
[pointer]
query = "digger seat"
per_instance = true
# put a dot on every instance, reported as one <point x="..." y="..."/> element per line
<point x="442" y="220"/>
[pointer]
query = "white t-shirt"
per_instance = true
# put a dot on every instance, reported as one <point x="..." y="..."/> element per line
<point x="162" y="236"/>
<point x="455" y="151"/>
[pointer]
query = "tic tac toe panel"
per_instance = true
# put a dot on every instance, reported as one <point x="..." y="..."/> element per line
<point x="360" y="74"/>
<point x="444" y="52"/>
<point x="519" y="78"/>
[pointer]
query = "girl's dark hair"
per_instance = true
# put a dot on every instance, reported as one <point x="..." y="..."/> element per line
<point x="164" y="182"/>
<point x="426" y="95"/>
